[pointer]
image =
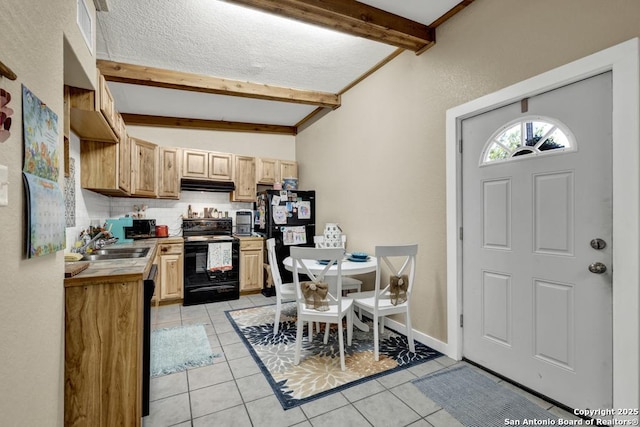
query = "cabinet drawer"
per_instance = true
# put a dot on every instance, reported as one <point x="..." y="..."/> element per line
<point x="251" y="245"/>
<point x="170" y="249"/>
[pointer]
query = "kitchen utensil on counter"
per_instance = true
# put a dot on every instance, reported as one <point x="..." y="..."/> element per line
<point x="162" y="231"/>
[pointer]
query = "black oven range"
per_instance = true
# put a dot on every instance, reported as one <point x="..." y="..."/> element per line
<point x="211" y="261"/>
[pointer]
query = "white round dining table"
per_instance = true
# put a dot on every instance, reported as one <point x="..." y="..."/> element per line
<point x="349" y="268"/>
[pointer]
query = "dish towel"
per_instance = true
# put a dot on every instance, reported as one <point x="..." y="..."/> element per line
<point x="219" y="256"/>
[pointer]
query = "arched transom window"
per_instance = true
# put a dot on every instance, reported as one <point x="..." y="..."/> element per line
<point x="526" y="138"/>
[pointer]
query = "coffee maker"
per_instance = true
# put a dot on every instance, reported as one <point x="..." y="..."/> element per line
<point x="243" y="222"/>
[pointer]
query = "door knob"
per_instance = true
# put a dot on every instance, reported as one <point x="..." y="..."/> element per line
<point x="597" y="268"/>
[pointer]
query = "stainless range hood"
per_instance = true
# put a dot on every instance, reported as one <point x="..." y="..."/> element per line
<point x="206" y="185"/>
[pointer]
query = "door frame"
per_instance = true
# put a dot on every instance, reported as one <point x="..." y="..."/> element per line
<point x="624" y="62"/>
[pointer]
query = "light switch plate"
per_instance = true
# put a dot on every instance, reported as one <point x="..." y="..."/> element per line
<point x="4" y="185"/>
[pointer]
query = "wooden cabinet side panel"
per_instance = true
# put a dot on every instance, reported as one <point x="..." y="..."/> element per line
<point x="83" y="374"/>
<point x="103" y="354"/>
<point x="122" y="346"/>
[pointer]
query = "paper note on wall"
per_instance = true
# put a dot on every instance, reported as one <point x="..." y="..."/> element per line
<point x="294" y="235"/>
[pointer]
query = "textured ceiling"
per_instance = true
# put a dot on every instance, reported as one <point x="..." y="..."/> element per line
<point x="222" y="39"/>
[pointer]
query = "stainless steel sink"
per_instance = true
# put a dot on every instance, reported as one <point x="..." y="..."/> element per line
<point x="116" y="253"/>
<point x="111" y="251"/>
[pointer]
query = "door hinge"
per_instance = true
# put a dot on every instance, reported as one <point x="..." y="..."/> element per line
<point x="460" y="145"/>
<point x="461" y="321"/>
<point x="460" y="233"/>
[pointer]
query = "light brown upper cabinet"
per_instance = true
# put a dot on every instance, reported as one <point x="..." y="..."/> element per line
<point x="245" y="179"/>
<point x="270" y="171"/>
<point x="288" y="169"/>
<point x="105" y="167"/>
<point x="266" y="171"/>
<point x="144" y="163"/>
<point x="169" y="182"/>
<point x="93" y="113"/>
<point x="207" y="165"/>
<point x="221" y="166"/>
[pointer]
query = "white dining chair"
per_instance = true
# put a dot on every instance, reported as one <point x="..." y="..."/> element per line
<point x="284" y="291"/>
<point x="337" y="307"/>
<point x="380" y="302"/>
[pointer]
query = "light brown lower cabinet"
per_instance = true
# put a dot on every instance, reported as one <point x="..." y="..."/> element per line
<point x="251" y="264"/>
<point x="171" y="265"/>
<point x="103" y="353"/>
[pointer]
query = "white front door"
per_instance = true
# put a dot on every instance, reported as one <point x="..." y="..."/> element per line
<point x="537" y="307"/>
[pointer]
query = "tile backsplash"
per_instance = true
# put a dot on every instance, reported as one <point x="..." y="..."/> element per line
<point x="170" y="212"/>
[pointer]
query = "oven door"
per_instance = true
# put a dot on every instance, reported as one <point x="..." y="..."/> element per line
<point x="202" y="285"/>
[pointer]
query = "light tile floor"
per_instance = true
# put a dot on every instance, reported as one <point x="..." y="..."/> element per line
<point x="233" y="391"/>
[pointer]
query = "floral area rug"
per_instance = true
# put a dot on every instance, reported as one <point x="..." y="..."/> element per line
<point x="318" y="373"/>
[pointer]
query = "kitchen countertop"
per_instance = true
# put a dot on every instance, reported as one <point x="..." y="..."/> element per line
<point x="248" y="237"/>
<point x="123" y="269"/>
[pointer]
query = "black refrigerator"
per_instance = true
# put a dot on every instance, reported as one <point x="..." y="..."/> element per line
<point x="289" y="216"/>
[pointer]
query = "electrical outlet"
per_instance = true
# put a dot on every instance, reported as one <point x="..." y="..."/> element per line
<point x="4" y="185"/>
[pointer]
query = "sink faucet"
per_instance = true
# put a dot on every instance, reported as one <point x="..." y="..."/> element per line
<point x="97" y="242"/>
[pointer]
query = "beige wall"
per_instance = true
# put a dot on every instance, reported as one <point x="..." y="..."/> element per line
<point x="385" y="146"/>
<point x="32" y="303"/>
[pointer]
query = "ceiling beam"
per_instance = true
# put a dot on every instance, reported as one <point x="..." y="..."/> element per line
<point x="186" y="123"/>
<point x="157" y="77"/>
<point x="352" y="17"/>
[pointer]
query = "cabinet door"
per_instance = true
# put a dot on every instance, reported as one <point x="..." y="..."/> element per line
<point x="195" y="164"/>
<point x="169" y="183"/>
<point x="251" y="270"/>
<point x="288" y="169"/>
<point x="245" y="179"/>
<point x="107" y="105"/>
<point x="266" y="171"/>
<point x="171" y="268"/>
<point x="124" y="150"/>
<point x="221" y="166"/>
<point x="145" y="168"/>
<point x="98" y="165"/>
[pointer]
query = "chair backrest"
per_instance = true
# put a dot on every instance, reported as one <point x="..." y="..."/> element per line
<point x="320" y="243"/>
<point x="400" y="260"/>
<point x="306" y="259"/>
<point x="273" y="264"/>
